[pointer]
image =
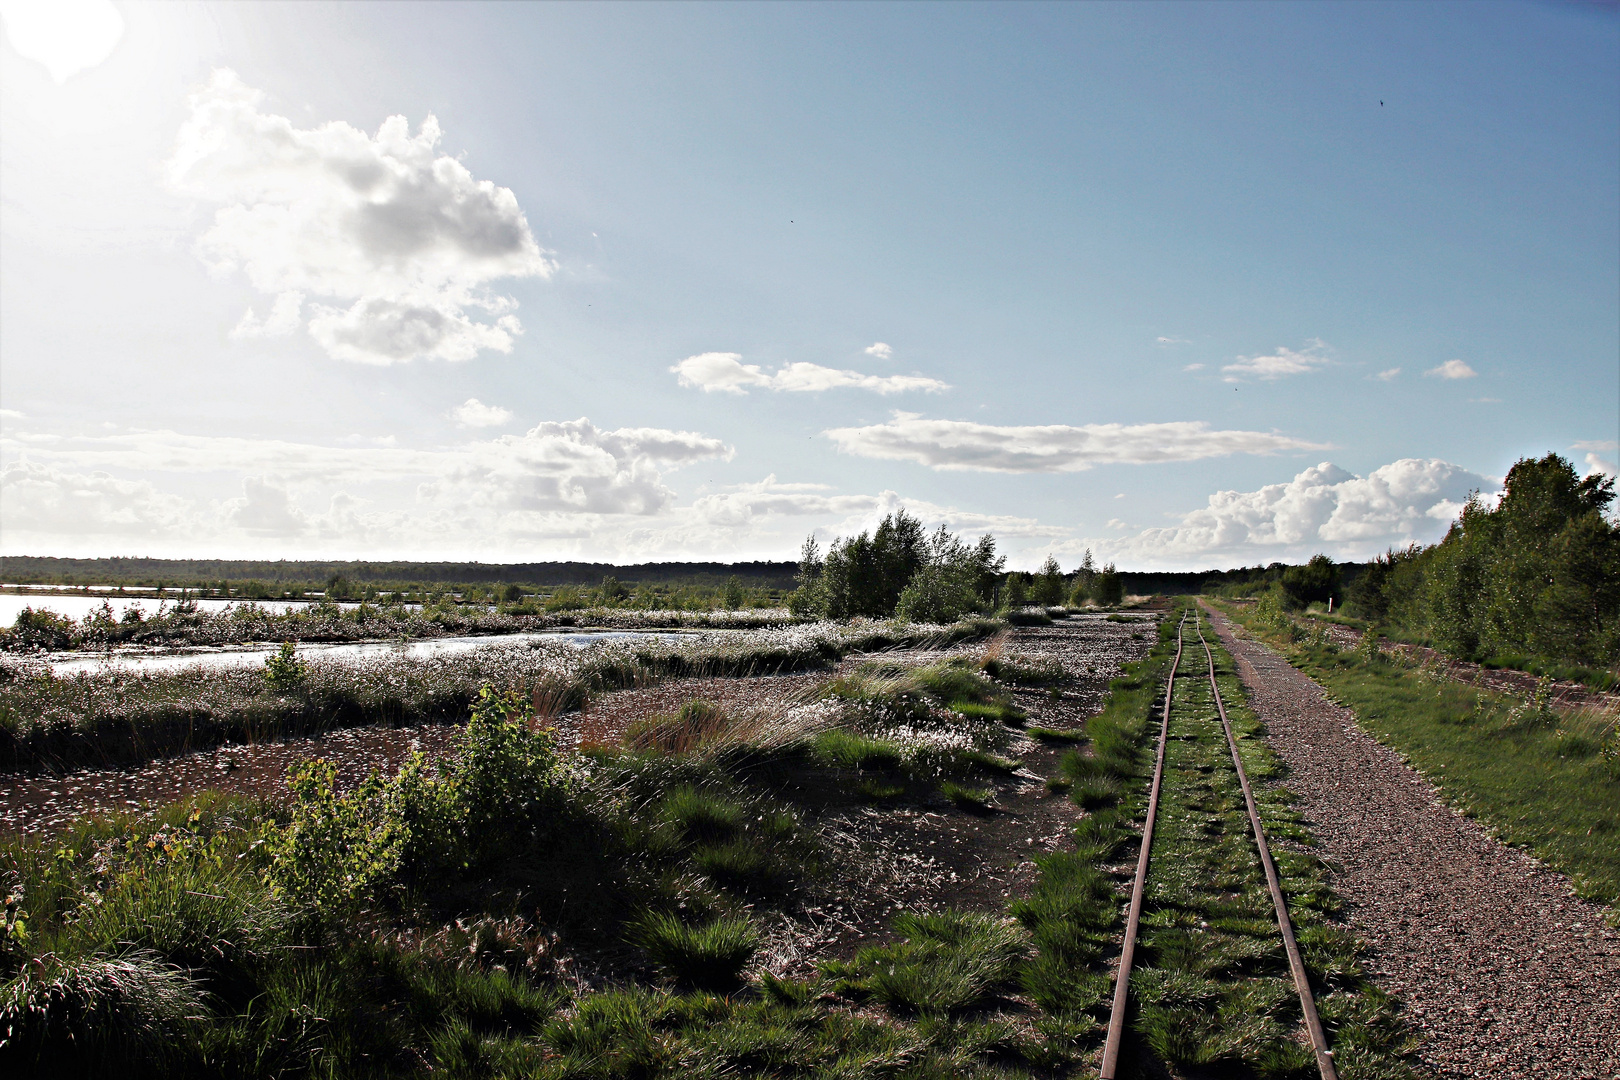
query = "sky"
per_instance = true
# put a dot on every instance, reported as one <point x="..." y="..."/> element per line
<point x="1186" y="285"/>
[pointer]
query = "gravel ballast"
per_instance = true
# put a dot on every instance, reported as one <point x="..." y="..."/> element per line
<point x="1504" y="970"/>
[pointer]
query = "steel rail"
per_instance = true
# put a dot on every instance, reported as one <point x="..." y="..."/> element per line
<point x="1127" y="954"/>
<point x="1302" y="981"/>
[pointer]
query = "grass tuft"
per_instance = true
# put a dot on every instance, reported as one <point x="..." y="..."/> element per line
<point x="709" y="956"/>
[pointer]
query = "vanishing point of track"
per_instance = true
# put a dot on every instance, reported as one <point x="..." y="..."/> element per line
<point x="1122" y="980"/>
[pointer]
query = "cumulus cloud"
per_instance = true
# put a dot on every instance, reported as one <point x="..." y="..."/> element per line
<point x="401" y="238"/>
<point x="1281" y="363"/>
<point x="1451" y="369"/>
<point x="12" y="414"/>
<point x="1323" y="508"/>
<point x="555" y="466"/>
<point x="286" y="315"/>
<point x="879" y="350"/>
<point x="1388" y="374"/>
<point x="1193" y="367"/>
<point x="726" y="373"/>
<point x="474" y="413"/>
<point x="39" y="499"/>
<point x="1048" y="448"/>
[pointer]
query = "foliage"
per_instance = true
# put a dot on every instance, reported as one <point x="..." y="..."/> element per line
<point x="1315" y="582"/>
<point x="283" y="671"/>
<point x="502" y="792"/>
<point x="898" y="570"/>
<point x="1108" y="587"/>
<point x="1049" y="582"/>
<point x="1537" y="575"/>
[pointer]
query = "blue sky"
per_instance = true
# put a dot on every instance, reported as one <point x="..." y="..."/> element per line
<point x="1189" y="285"/>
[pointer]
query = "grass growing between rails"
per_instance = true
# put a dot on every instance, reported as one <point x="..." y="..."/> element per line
<point x="1213" y="988"/>
<point x="1538" y="777"/>
<point x="116" y="716"/>
<point x="1204" y="1002"/>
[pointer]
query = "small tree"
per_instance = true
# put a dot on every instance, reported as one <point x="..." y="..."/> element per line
<point x="734" y="594"/>
<point x="1108" y="588"/>
<point x="1048" y="589"/>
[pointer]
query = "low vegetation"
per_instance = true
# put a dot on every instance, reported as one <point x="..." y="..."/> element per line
<point x="185" y="624"/>
<point x="112" y="715"/>
<point x="468" y="919"/>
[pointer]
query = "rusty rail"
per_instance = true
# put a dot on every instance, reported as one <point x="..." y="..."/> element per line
<point x="1302" y="981"/>
<point x="1122" y="978"/>
<point x="1127" y="954"/>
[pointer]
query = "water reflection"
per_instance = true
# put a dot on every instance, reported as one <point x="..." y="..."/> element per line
<point x="169" y="660"/>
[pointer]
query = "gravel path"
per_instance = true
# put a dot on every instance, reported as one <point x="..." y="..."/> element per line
<point x="1505" y="970"/>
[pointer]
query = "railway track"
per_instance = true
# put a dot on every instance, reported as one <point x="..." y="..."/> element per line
<point x="1301" y="980"/>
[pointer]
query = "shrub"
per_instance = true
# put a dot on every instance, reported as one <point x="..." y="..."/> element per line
<point x="283" y="671"/>
<point x="497" y="795"/>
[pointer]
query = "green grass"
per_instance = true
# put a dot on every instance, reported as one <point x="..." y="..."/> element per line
<point x="947" y="963"/>
<point x="1542" y="783"/>
<point x="1212" y="984"/>
<point x="1056" y="735"/>
<point x="851" y="750"/>
<point x="709" y="955"/>
<point x="973" y="800"/>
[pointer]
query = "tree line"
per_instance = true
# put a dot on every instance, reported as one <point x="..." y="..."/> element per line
<point x="1536" y="575"/>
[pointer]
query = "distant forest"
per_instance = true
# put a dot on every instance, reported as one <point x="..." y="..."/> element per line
<point x="317" y="574"/>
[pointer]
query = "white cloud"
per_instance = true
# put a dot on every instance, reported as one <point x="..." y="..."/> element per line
<point x="1280" y="363"/>
<point x="1193" y="367"/>
<point x="1596" y="464"/>
<point x="1171" y="341"/>
<point x="1388" y="374"/>
<point x="566" y="466"/>
<point x="266" y="510"/>
<point x="879" y="350"/>
<point x="1323" y="508"/>
<point x="1599" y="445"/>
<point x="1451" y="369"/>
<point x="67" y="36"/>
<point x="1116" y="523"/>
<point x="726" y="373"/>
<point x="474" y="413"/>
<point x="285" y="317"/>
<point x="1484" y="401"/>
<point x="404" y="239"/>
<point x="39" y="499"/>
<point x="12" y="414"/>
<point x="962" y="444"/>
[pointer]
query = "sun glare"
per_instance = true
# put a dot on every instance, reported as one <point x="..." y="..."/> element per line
<point x="67" y="36"/>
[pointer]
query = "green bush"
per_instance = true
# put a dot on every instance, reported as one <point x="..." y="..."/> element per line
<point x="499" y="794"/>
